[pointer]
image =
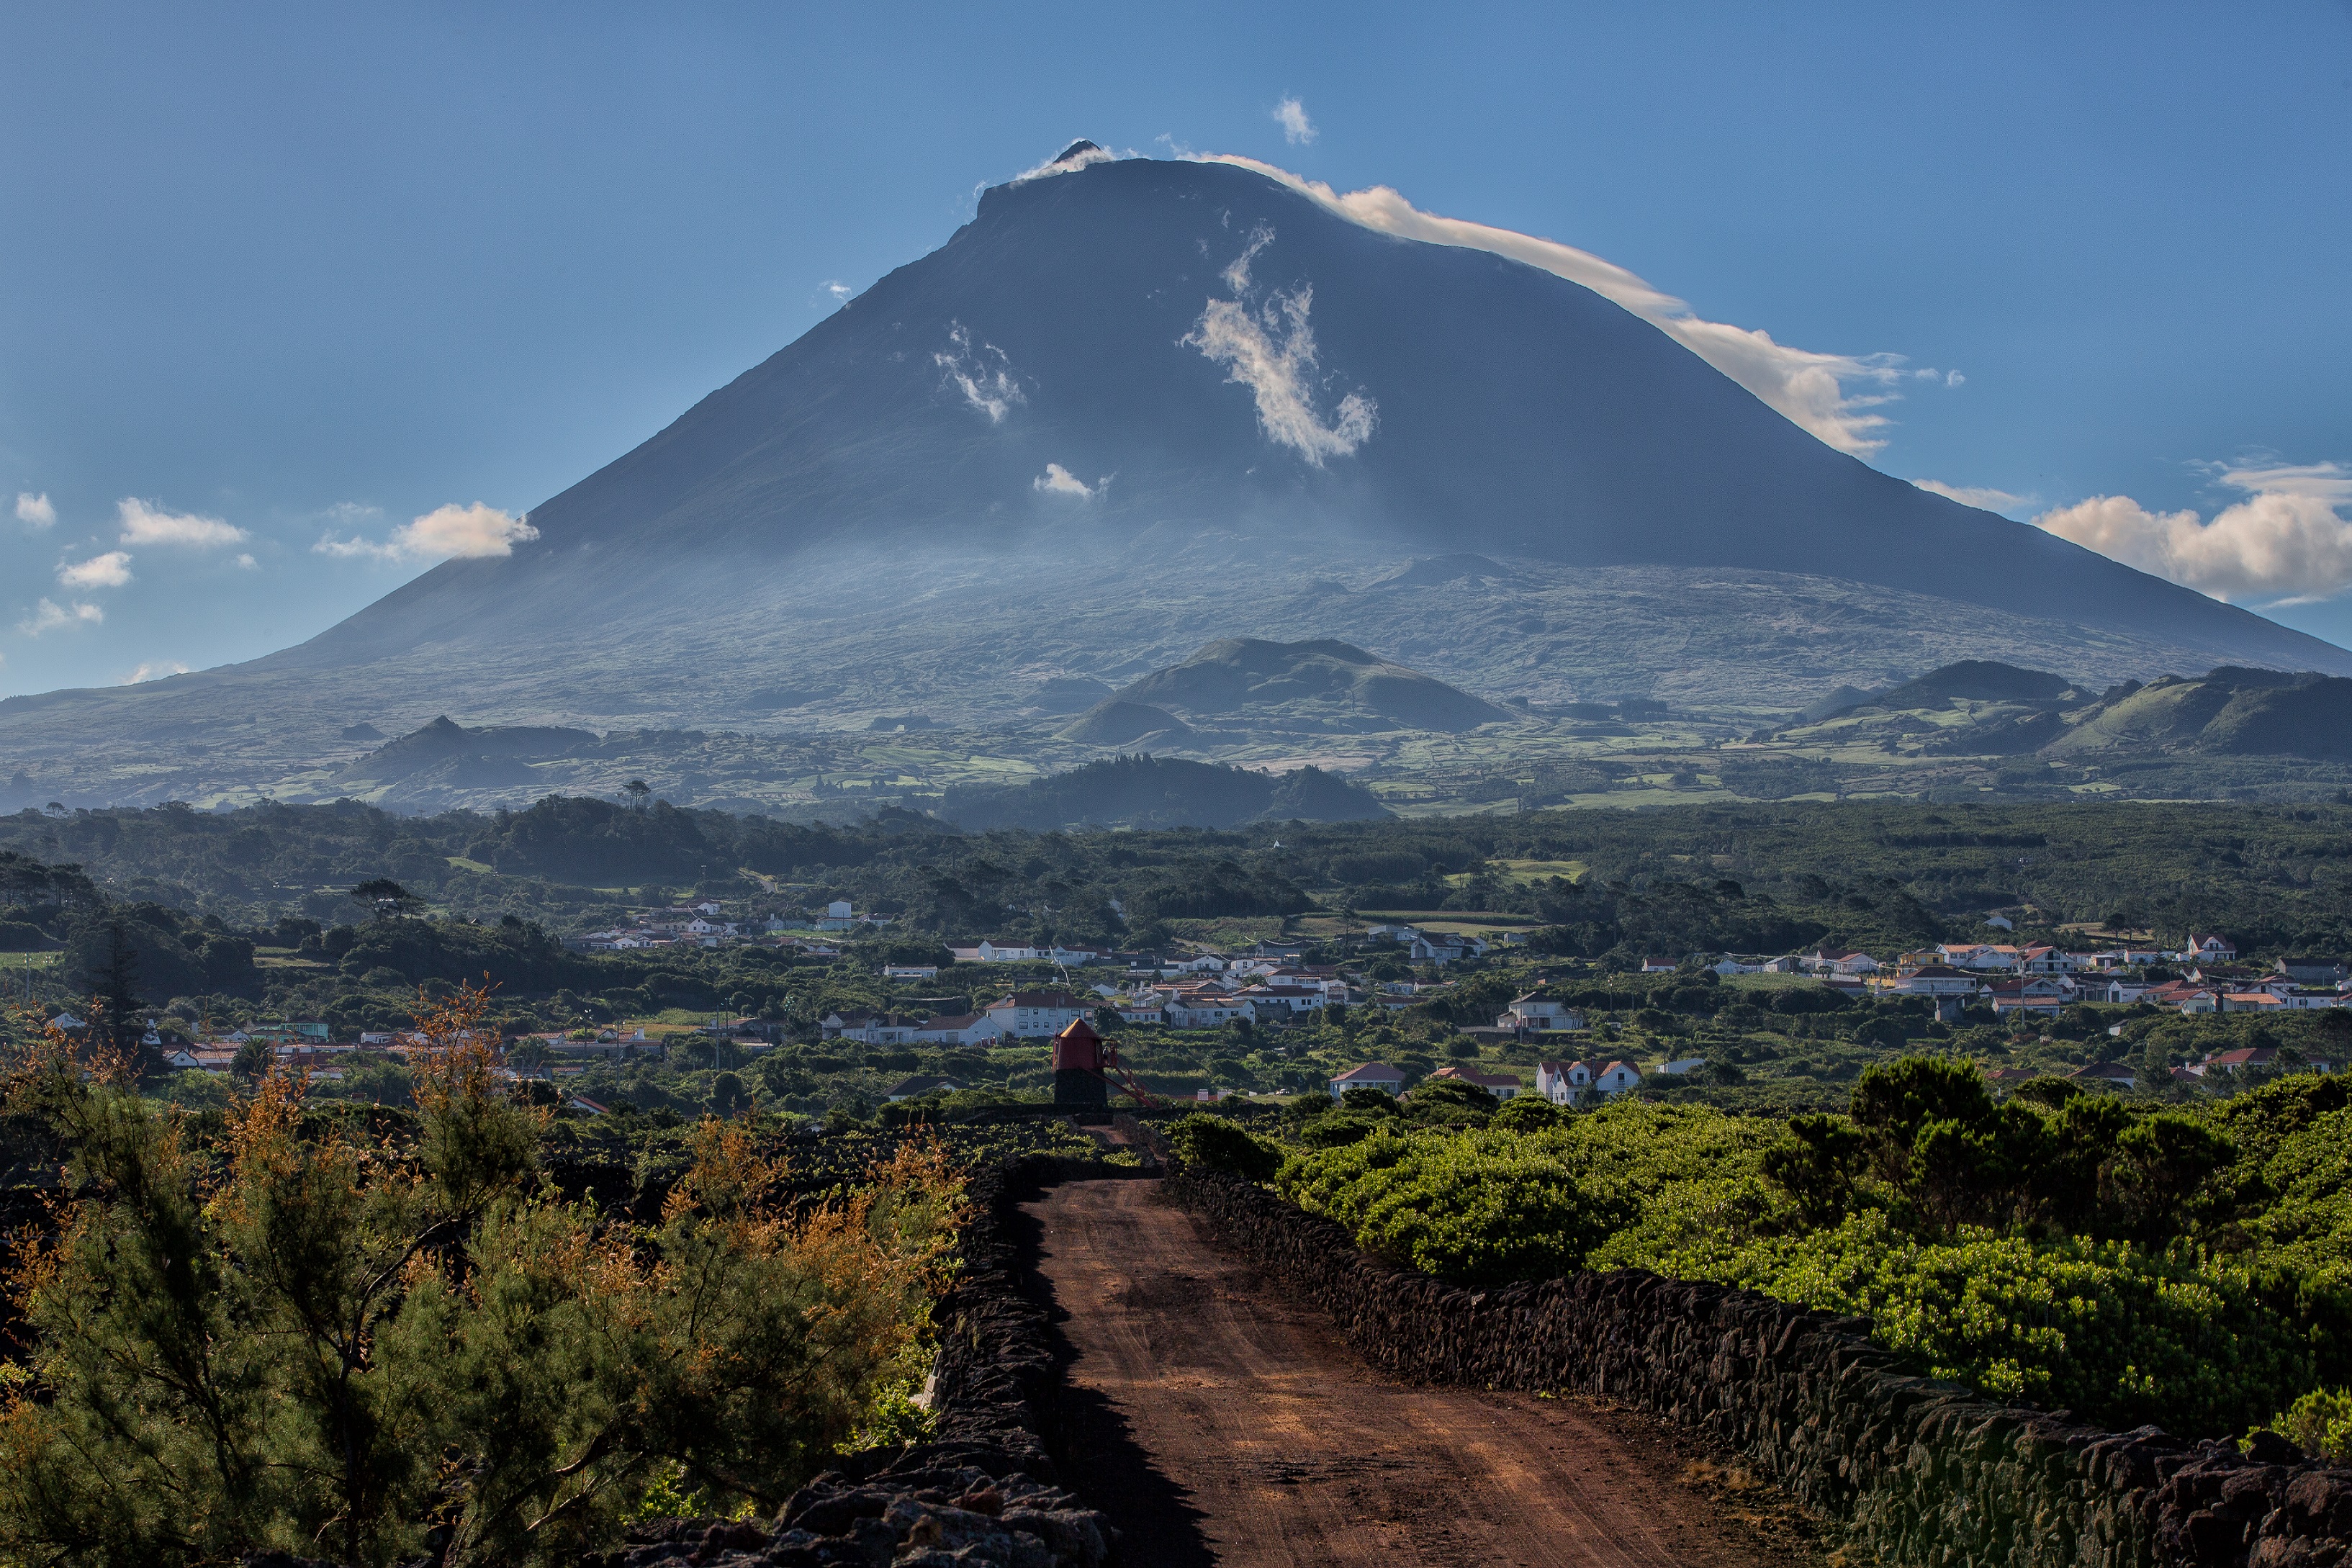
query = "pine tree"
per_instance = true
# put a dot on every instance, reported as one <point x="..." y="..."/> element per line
<point x="116" y="1006"/>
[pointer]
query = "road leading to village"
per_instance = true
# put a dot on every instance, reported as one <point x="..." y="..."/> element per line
<point x="1217" y="1423"/>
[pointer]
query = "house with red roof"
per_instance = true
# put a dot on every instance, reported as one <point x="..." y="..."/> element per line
<point x="1369" y="1075"/>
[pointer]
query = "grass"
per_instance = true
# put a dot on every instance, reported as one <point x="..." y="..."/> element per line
<point x="1770" y="982"/>
<point x="1541" y="870"/>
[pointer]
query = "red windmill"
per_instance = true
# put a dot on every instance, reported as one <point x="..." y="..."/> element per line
<point x="1084" y="1066"/>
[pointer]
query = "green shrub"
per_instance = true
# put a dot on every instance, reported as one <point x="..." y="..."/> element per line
<point x="1219" y="1144"/>
<point x="1525" y="1114"/>
<point x="2320" y="1424"/>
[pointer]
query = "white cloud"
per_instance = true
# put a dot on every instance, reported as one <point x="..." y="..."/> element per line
<point x="2330" y="482"/>
<point x="35" y="510"/>
<point x="462" y="533"/>
<point x="984" y="374"/>
<point x="2276" y="544"/>
<point x="144" y="524"/>
<point x="1236" y="277"/>
<point x="1270" y="349"/>
<point x="836" y="290"/>
<point x="110" y="569"/>
<point x="1807" y="387"/>
<point x="1291" y="115"/>
<point x="155" y="671"/>
<point x="1983" y="495"/>
<point x="1079" y="155"/>
<point x="1057" y="481"/>
<point x="47" y="616"/>
<point x="245" y="559"/>
<point x="468" y="531"/>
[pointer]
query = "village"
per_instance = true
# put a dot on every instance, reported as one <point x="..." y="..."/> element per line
<point x="1269" y="986"/>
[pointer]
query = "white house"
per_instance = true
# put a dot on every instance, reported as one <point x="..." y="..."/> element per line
<point x="2120" y="990"/>
<point x="868" y="1028"/>
<point x="1200" y="963"/>
<point x="958" y="1029"/>
<point x="1732" y="963"/>
<point x="1448" y="947"/>
<point x="1682" y="1067"/>
<point x="1007" y="953"/>
<point x="1616" y="1078"/>
<point x="1370" y="1074"/>
<point x="1206" y="1010"/>
<point x="1658" y="966"/>
<point x="1035" y="1014"/>
<point x="2209" y="948"/>
<point x="910" y="971"/>
<point x="1935" y="980"/>
<point x="836" y="916"/>
<point x="1564" y="1083"/>
<point x="1839" y="961"/>
<point x="1538" y="1012"/>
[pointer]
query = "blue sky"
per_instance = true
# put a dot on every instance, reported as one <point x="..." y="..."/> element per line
<point x="270" y="275"/>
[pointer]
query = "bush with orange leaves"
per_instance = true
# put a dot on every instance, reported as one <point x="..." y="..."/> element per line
<point x="372" y="1353"/>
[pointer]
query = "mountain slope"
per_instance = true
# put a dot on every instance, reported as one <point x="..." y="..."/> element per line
<point x="1071" y="325"/>
<point x="1135" y="407"/>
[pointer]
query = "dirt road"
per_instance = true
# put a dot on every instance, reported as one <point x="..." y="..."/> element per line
<point x="1217" y="1423"/>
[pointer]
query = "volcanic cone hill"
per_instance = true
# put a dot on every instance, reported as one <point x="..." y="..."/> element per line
<point x="1138" y="406"/>
<point x="1254" y="684"/>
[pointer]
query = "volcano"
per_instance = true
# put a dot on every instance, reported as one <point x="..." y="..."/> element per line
<point x="1137" y="405"/>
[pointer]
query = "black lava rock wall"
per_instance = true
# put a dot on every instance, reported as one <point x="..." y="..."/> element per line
<point x="1922" y="1473"/>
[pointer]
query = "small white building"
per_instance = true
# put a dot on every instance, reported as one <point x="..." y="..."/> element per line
<point x="1935" y="980"/>
<point x="1564" y="1083"/>
<point x="1035" y="1014"/>
<point x="1839" y="961"/>
<point x="1538" y="1012"/>
<point x="1370" y="1074"/>
<point x="1616" y="1078"/>
<point x="958" y="1029"/>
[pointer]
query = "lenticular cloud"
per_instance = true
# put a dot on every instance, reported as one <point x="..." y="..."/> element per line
<point x="1809" y="389"/>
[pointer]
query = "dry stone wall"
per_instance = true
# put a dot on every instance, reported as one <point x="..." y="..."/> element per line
<point x="1922" y="1473"/>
